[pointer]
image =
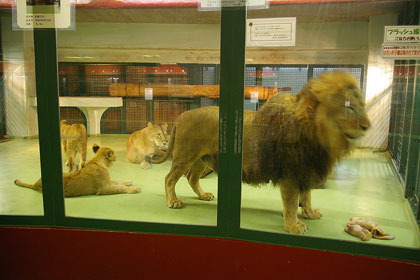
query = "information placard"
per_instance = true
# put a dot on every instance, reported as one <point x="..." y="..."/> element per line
<point x="402" y="34"/>
<point x="148" y="93"/>
<point x="43" y="14"/>
<point x="271" y="32"/>
<point x="254" y="96"/>
<point x="401" y="51"/>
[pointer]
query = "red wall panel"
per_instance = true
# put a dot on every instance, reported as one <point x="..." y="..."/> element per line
<point x="52" y="253"/>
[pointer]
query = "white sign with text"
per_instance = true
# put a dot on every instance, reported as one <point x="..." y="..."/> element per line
<point x="271" y="32"/>
<point x="52" y="14"/>
<point x="148" y="93"/>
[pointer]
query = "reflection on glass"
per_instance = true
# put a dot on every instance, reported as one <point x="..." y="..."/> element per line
<point x="362" y="184"/>
<point x="19" y="148"/>
<point x="126" y="79"/>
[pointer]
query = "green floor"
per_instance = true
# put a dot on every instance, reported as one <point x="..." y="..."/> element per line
<point x="362" y="185"/>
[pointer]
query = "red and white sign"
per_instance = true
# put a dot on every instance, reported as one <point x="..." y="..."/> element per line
<point x="401" y="51"/>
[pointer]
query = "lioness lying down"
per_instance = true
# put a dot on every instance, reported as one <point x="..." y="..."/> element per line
<point x="91" y="179"/>
<point x="292" y="141"/>
<point x="143" y="144"/>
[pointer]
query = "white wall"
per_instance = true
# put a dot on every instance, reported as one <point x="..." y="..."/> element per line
<point x="378" y="83"/>
<point x="19" y="80"/>
<point x="329" y="42"/>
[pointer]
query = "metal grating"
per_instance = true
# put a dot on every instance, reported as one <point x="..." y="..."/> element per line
<point x="99" y="77"/>
<point x="112" y="121"/>
<point x="288" y="78"/>
<point x="138" y="74"/>
<point x="72" y="115"/>
<point x="356" y="72"/>
<point x="251" y="76"/>
<point x="168" y="111"/>
<point x="135" y="114"/>
<point x="209" y="77"/>
<point x="69" y="80"/>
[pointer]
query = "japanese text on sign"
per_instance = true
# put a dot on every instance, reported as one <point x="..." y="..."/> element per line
<point x="402" y="34"/>
<point x="31" y="14"/>
<point x="271" y="32"/>
<point x="401" y="51"/>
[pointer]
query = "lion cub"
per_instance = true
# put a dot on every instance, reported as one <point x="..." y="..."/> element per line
<point x="143" y="144"/>
<point x="74" y="140"/>
<point x="91" y="179"/>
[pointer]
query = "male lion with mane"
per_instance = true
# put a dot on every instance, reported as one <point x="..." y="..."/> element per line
<point x="92" y="179"/>
<point x="292" y="141"/>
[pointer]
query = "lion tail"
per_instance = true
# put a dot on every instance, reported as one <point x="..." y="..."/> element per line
<point x="25" y="185"/>
<point x="170" y="149"/>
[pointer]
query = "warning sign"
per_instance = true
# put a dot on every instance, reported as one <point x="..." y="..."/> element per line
<point x="401" y="51"/>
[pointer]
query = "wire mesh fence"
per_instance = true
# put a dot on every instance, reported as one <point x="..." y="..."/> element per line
<point x="95" y="79"/>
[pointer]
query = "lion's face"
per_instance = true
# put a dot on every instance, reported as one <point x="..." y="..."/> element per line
<point x="105" y="154"/>
<point x="158" y="135"/>
<point x="109" y="155"/>
<point x="340" y="115"/>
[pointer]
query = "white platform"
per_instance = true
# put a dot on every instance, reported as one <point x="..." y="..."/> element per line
<point x="92" y="108"/>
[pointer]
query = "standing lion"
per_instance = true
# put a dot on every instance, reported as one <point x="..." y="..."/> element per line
<point x="74" y="140"/>
<point x="292" y="141"/>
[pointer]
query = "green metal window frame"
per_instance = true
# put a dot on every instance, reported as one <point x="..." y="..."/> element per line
<point x="232" y="67"/>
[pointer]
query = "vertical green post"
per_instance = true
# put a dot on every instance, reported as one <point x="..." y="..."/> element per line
<point x="232" y="69"/>
<point x="48" y="122"/>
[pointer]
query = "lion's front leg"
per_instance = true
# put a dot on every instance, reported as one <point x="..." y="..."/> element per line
<point x="117" y="189"/>
<point x="124" y="183"/>
<point x="305" y="203"/>
<point x="145" y="164"/>
<point x="290" y="198"/>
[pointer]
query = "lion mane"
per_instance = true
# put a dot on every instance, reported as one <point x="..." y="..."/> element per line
<point x="292" y="141"/>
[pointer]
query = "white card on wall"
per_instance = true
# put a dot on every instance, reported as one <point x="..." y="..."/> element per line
<point x="254" y="97"/>
<point x="271" y="32"/>
<point x="148" y="93"/>
<point x="43" y="14"/>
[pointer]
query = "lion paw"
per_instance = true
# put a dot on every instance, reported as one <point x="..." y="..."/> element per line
<point x="145" y="165"/>
<point x="127" y="183"/>
<point x="312" y="214"/>
<point x="206" y="196"/>
<point x="134" y="190"/>
<point x="175" y="204"/>
<point x="297" y="228"/>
